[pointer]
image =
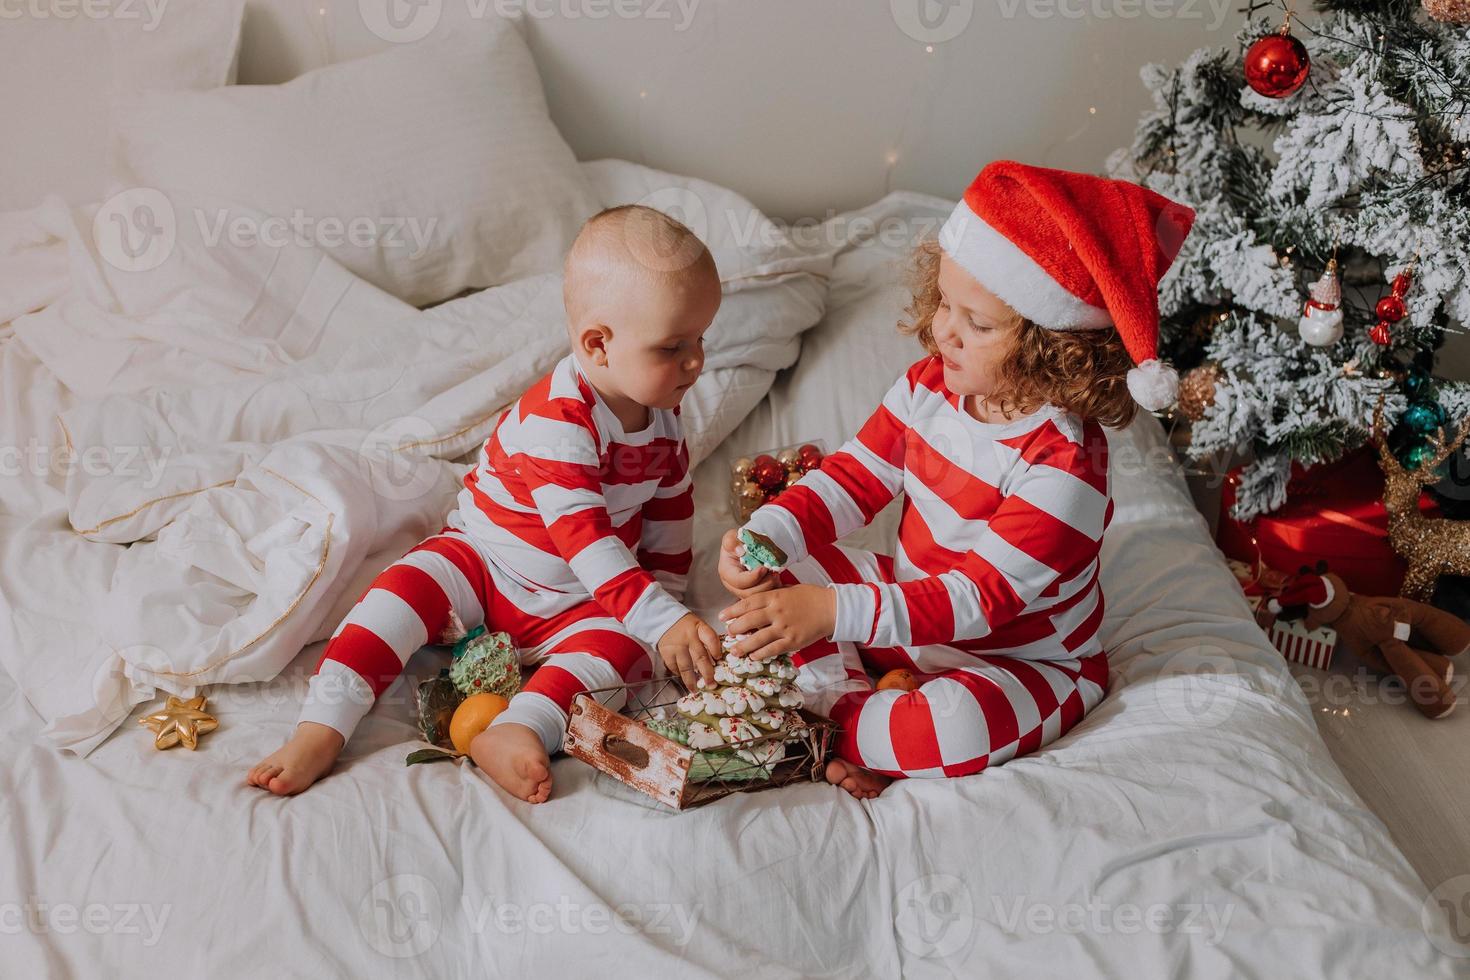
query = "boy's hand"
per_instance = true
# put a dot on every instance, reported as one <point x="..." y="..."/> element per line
<point x="780" y="621"/>
<point x="689" y="649"/>
<point x="733" y="573"/>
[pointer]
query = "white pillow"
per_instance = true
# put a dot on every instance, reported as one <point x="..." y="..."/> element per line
<point x="427" y="169"/>
<point x="62" y="66"/>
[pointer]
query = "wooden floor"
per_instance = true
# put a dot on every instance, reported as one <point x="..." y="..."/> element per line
<point x="1409" y="770"/>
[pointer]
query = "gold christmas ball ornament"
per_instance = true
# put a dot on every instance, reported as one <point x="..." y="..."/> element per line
<point x="788" y="458"/>
<point x="180" y="722"/>
<point x="742" y="466"/>
<point x="1197" y="391"/>
<point x="1448" y="11"/>
<point x="750" y="493"/>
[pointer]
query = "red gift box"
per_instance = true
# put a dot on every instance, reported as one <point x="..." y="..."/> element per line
<point x="1333" y="511"/>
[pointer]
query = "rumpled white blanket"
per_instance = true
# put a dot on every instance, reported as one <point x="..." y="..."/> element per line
<point x="249" y="433"/>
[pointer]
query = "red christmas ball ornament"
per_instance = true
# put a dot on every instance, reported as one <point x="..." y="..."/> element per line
<point x="1402" y="283"/>
<point x="1380" y="334"/>
<point x="1277" y="64"/>
<point x="809" y="457"/>
<point x="1391" y="309"/>
<point x="767" y="473"/>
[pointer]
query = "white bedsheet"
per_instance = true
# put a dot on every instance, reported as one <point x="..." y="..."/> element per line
<point x="1192" y="825"/>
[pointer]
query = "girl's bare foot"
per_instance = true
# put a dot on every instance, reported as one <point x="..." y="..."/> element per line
<point x="307" y="757"/>
<point x="514" y="757"/>
<point x="861" y="783"/>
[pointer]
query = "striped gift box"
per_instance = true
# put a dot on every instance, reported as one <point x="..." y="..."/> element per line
<point x="1296" y="643"/>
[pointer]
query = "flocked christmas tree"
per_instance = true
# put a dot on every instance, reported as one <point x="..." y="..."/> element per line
<point x="1328" y="160"/>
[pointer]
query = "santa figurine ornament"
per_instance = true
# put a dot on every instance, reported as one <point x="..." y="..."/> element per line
<point x="1412" y="640"/>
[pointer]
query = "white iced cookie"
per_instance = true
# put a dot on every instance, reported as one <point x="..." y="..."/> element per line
<point x="703" y="737"/>
<point x="791" y="698"/>
<point x="702" y="703"/>
<point x="772" y="718"/>
<point x="741" y="700"/>
<point x="781" y="667"/>
<point x="744" y="666"/>
<point x="737" y="730"/>
<point x="724" y="675"/>
<point x="766" y="687"/>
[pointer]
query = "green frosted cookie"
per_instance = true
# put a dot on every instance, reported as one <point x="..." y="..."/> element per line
<point x="761" y="552"/>
<point x="486" y="663"/>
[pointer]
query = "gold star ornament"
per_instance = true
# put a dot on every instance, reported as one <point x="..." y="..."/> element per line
<point x="180" y="721"/>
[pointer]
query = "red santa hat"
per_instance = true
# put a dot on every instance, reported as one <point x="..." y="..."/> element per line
<point x="1306" y="589"/>
<point x="1071" y="251"/>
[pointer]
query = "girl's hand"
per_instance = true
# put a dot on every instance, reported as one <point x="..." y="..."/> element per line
<point x="778" y="621"/>
<point x="736" y="577"/>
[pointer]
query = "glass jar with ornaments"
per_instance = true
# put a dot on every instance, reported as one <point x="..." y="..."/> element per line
<point x="760" y="478"/>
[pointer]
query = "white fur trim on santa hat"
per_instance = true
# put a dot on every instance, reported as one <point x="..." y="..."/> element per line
<point x="1154" y="385"/>
<point x="1001" y="267"/>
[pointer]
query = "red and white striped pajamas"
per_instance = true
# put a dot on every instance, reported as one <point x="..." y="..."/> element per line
<point x="992" y="597"/>
<point x="542" y="546"/>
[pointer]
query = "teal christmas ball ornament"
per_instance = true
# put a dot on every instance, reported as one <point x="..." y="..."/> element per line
<point x="1412" y="455"/>
<point x="1416" y="383"/>
<point x="1423" y="417"/>
<point x="1417" y="453"/>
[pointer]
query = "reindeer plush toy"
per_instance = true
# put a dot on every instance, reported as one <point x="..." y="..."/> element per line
<point x="1413" y="640"/>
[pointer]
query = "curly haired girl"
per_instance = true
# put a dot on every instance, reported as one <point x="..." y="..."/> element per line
<point x="1038" y="308"/>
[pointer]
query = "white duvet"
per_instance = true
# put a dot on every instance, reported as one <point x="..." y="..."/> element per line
<point x="248" y="434"/>
<point x="1192" y="825"/>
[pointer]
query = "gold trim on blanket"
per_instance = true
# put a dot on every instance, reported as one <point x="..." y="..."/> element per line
<point x="66" y="434"/>
<point x="776" y="275"/>
<point x="321" y="566"/>
<point x="149" y="503"/>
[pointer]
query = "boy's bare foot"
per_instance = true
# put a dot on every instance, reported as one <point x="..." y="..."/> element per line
<point x="514" y="757"/>
<point x="307" y="757"/>
<point x="861" y="783"/>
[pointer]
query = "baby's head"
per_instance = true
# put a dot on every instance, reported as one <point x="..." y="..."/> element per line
<point x="640" y="291"/>
<point x="991" y="351"/>
<point x="1043" y="287"/>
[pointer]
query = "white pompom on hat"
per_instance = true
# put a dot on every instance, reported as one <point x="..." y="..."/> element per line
<point x="1071" y="251"/>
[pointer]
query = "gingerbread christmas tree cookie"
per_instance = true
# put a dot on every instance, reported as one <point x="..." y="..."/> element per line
<point x="745" y="714"/>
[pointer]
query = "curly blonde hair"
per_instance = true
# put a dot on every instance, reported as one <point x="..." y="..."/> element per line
<point x="1080" y="371"/>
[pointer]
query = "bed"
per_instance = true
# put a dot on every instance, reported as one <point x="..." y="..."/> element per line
<point x="207" y="450"/>
<point x="1194" y="824"/>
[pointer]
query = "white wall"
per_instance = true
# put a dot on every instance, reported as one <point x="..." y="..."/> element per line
<point x="805" y="106"/>
<point x="811" y="105"/>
